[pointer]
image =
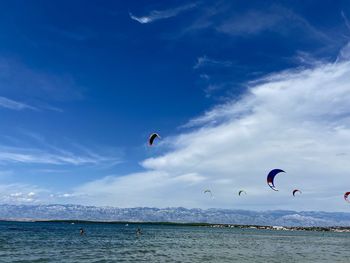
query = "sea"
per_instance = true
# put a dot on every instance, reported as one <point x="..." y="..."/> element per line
<point x="103" y="242"/>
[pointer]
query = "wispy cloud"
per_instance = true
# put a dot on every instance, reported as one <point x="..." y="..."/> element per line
<point x="297" y="120"/>
<point x="76" y="34"/>
<point x="223" y="17"/>
<point x="205" y="61"/>
<point x="250" y="23"/>
<point x="344" y="54"/>
<point x="39" y="88"/>
<point x="306" y="59"/>
<point x="41" y="157"/>
<point x="14" y="105"/>
<point x="16" y="76"/>
<point x="217" y="74"/>
<point x="210" y="89"/>
<point x="50" y="108"/>
<point x="274" y="19"/>
<point x="346" y="20"/>
<point x="58" y="157"/>
<point x="22" y="151"/>
<point x="163" y="14"/>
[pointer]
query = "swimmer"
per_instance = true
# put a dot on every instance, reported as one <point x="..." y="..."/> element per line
<point x="82" y="232"/>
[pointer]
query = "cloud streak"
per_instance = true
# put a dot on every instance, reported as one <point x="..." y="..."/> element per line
<point x="224" y="18"/>
<point x="346" y="21"/>
<point x="250" y="23"/>
<point x="14" y="105"/>
<point x="273" y="19"/>
<point x="163" y="14"/>
<point x="19" y="150"/>
<point x="297" y="120"/>
<point x="205" y="61"/>
<point x="16" y="77"/>
<point x="57" y="157"/>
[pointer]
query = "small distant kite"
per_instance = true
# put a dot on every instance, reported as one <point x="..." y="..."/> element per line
<point x="241" y="191"/>
<point x="152" y="137"/>
<point x="208" y="191"/>
<point x="346" y="197"/>
<point x="296" y="190"/>
<point x="271" y="177"/>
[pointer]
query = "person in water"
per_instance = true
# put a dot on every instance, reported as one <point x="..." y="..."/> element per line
<point x="82" y="232"/>
<point x="138" y="232"/>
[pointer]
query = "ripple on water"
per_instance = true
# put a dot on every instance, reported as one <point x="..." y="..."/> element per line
<point x="59" y="242"/>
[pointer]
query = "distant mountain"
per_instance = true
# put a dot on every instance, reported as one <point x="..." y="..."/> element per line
<point x="176" y="214"/>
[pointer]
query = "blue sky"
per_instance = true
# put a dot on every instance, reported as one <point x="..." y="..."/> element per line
<point x="84" y="83"/>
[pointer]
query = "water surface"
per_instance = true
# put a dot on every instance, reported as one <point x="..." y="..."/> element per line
<point x="61" y="242"/>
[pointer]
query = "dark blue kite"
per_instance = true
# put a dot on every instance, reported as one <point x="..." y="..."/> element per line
<point x="271" y="177"/>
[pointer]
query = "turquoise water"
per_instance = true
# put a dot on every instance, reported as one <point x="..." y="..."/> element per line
<point x="61" y="242"/>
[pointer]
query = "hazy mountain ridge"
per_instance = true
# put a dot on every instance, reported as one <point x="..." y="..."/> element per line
<point x="173" y="214"/>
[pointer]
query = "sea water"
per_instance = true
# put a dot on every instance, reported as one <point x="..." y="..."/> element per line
<point x="62" y="242"/>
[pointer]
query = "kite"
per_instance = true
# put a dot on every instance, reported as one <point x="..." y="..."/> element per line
<point x="271" y="177"/>
<point x="346" y="197"/>
<point x="241" y="191"/>
<point x="152" y="137"/>
<point x="208" y="191"/>
<point x="296" y="190"/>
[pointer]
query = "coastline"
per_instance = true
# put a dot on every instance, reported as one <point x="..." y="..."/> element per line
<point x="337" y="229"/>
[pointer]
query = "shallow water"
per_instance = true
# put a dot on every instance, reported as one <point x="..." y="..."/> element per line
<point x="61" y="242"/>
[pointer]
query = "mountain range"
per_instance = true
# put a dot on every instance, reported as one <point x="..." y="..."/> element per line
<point x="173" y="214"/>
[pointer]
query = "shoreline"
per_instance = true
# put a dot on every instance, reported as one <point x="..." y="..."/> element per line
<point x="337" y="229"/>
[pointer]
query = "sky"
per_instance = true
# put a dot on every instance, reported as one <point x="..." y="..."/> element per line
<point x="234" y="88"/>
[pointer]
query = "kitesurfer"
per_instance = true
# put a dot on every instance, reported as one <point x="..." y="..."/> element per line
<point x="138" y="232"/>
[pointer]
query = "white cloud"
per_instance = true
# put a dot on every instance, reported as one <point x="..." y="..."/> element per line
<point x="14" y="105"/>
<point x="295" y="120"/>
<point x="158" y="15"/>
<point x="298" y="120"/>
<point x="57" y="197"/>
<point x="152" y="188"/>
<point x="20" y="194"/>
<point x="32" y="194"/>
